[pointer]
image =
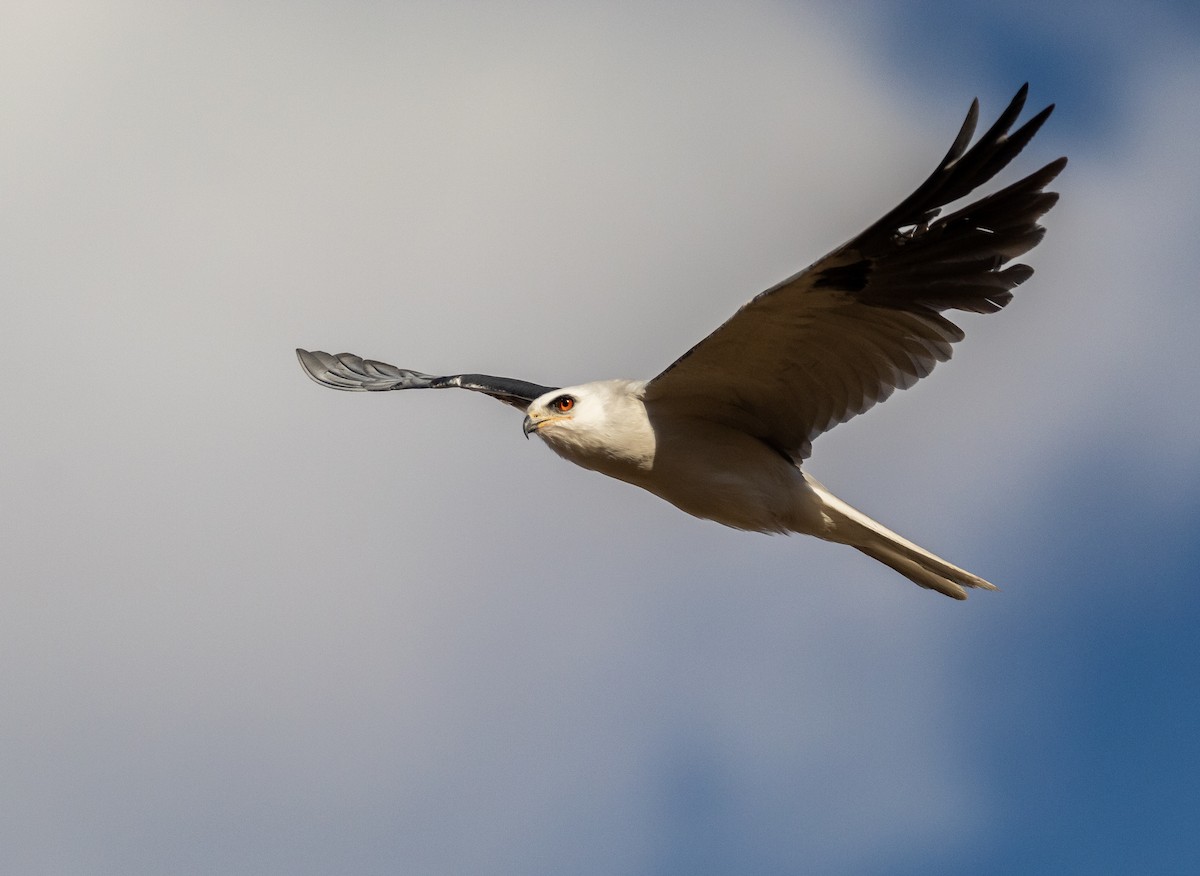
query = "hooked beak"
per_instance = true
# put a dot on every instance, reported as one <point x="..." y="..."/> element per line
<point x="530" y="425"/>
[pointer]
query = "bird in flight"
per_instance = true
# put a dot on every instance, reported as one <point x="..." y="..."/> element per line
<point x="722" y="433"/>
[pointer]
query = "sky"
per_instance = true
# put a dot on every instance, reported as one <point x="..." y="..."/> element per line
<point x="249" y="625"/>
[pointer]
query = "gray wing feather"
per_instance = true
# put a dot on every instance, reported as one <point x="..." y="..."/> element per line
<point x="865" y="320"/>
<point x="352" y="373"/>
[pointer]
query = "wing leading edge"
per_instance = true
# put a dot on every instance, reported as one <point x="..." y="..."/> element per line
<point x="351" y="373"/>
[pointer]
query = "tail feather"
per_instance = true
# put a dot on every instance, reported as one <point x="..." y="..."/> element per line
<point x="925" y="569"/>
<point x="850" y="526"/>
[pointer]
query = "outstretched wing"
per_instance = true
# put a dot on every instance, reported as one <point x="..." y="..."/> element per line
<point x="865" y="320"/>
<point x="356" y="374"/>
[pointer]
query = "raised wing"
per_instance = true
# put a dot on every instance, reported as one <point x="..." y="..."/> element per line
<point x="355" y="374"/>
<point x="865" y="320"/>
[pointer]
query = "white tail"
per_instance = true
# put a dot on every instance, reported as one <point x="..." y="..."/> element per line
<point x="850" y="526"/>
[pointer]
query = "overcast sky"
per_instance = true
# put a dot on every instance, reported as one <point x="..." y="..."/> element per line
<point x="249" y="625"/>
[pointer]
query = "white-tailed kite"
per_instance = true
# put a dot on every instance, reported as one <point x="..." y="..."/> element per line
<point x="722" y="432"/>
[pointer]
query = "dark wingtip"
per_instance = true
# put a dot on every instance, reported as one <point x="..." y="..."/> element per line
<point x="311" y="362"/>
<point x="1055" y="167"/>
<point x="1018" y="102"/>
<point x="965" y="133"/>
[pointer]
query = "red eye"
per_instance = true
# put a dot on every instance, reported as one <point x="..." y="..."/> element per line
<point x="563" y="403"/>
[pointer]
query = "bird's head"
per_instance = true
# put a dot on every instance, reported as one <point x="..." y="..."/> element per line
<point x="602" y="419"/>
<point x="561" y="412"/>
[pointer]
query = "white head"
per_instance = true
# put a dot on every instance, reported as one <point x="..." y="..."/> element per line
<point x="596" y="425"/>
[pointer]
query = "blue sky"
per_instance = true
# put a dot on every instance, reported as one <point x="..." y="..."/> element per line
<point x="252" y="626"/>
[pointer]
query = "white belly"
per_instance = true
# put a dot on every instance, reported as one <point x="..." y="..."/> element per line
<point x="716" y="473"/>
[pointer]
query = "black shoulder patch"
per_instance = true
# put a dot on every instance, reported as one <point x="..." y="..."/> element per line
<point x="849" y="278"/>
<point x="506" y="389"/>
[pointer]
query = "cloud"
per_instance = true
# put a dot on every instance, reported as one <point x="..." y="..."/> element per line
<point x="270" y="628"/>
